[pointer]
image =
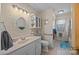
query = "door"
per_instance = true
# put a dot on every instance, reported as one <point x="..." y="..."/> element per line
<point x="76" y="10"/>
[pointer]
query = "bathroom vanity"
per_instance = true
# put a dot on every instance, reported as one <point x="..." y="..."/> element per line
<point x="27" y="46"/>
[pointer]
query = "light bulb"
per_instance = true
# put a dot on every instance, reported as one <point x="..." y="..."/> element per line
<point x="24" y="12"/>
<point x="16" y="8"/>
<point x="21" y="11"/>
<point x="46" y="21"/>
<point x="28" y="14"/>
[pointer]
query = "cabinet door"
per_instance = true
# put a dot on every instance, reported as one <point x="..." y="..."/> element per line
<point x="27" y="50"/>
<point x="38" y="47"/>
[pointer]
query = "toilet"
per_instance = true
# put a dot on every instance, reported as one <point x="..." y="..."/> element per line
<point x="44" y="44"/>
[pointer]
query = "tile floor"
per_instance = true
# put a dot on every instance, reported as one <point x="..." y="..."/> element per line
<point x="57" y="50"/>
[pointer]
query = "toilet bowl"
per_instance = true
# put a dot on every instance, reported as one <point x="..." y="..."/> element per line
<point x="44" y="44"/>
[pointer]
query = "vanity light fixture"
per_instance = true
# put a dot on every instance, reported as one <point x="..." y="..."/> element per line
<point x="21" y="9"/>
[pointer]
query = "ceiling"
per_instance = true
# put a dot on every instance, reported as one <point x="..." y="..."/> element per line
<point x="40" y="7"/>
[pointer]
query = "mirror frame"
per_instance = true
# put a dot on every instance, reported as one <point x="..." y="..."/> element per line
<point x="20" y="27"/>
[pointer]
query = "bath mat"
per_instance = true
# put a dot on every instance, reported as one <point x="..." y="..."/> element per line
<point x="65" y="44"/>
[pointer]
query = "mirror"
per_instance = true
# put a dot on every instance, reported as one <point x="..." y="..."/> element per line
<point x="21" y="23"/>
<point x="33" y="21"/>
<point x="60" y="25"/>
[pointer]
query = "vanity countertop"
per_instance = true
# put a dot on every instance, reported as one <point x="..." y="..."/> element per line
<point x="19" y="44"/>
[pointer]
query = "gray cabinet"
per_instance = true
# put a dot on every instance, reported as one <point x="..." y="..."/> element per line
<point x="38" y="47"/>
<point x="26" y="50"/>
<point x="33" y="48"/>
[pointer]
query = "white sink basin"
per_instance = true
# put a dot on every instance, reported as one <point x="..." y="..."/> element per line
<point x="23" y="41"/>
<point x="20" y="41"/>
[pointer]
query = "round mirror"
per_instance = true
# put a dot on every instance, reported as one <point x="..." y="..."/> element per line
<point x="21" y="23"/>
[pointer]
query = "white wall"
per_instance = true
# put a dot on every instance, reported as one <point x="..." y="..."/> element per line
<point x="47" y="28"/>
<point x="50" y="16"/>
<point x="10" y="15"/>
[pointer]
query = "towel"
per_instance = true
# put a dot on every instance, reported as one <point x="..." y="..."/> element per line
<point x="6" y="41"/>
